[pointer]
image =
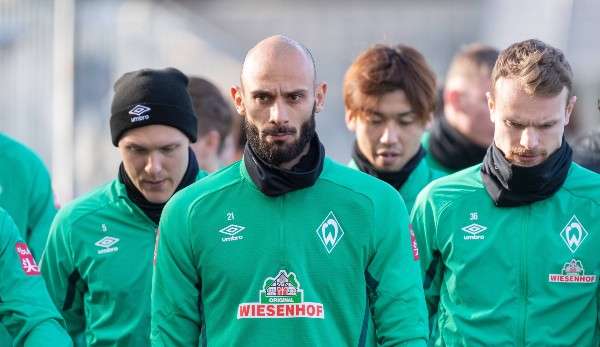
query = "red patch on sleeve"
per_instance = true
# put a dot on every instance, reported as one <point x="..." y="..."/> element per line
<point x="27" y="262"/>
<point x="413" y="243"/>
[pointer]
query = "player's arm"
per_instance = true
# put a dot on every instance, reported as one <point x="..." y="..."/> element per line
<point x="64" y="282"/>
<point x="394" y="280"/>
<point x="176" y="305"/>
<point x="25" y="308"/>
<point x="41" y="211"/>
<point x="424" y="224"/>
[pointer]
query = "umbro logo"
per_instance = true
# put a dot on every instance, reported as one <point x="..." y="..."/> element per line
<point x="139" y="110"/>
<point x="138" y="113"/>
<point x="474" y="230"/>
<point x="107" y="243"/>
<point x="231" y="230"/>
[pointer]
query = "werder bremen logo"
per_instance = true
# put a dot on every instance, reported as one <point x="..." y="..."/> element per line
<point x="281" y="297"/>
<point x="330" y="232"/>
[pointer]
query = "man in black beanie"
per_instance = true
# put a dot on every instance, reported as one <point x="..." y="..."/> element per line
<point x="98" y="260"/>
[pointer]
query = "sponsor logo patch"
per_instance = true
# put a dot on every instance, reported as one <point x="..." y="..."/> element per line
<point x="330" y="232"/>
<point x="27" y="262"/>
<point x="572" y="272"/>
<point x="106" y="244"/>
<point x="573" y="234"/>
<point x="474" y="230"/>
<point x="413" y="243"/>
<point x="281" y="297"/>
<point x="139" y="110"/>
<point x="231" y="230"/>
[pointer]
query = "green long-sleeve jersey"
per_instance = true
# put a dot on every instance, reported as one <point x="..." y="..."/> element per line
<point x="328" y="265"/>
<point x="98" y="267"/>
<point x="417" y="180"/>
<point x="26" y="193"/>
<point x="511" y="276"/>
<point x="26" y="311"/>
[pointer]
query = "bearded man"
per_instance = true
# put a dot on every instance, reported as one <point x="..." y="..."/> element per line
<point x="286" y="233"/>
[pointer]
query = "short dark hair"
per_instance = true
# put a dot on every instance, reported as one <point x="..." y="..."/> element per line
<point x="473" y="60"/>
<point x="212" y="111"/>
<point x="383" y="69"/>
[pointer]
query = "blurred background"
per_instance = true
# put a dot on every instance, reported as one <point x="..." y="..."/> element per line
<point x="60" y="58"/>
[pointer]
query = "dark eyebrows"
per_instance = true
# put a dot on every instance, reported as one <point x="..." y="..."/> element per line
<point x="261" y="92"/>
<point x="297" y="92"/>
<point x="396" y="115"/>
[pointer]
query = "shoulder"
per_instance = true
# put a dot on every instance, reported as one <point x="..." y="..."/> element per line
<point x="583" y="183"/>
<point x="453" y="188"/>
<point x="211" y="184"/>
<point x="19" y="156"/>
<point x="355" y="184"/>
<point x="86" y="205"/>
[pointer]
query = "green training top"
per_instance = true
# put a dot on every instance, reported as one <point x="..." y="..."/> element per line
<point x="98" y="267"/>
<point x="327" y="265"/>
<point x="26" y="311"/>
<point x="26" y="193"/>
<point x="511" y="276"/>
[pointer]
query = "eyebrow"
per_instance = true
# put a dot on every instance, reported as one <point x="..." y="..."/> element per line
<point x="270" y="92"/>
<point x="396" y="115"/>
<point x="135" y="144"/>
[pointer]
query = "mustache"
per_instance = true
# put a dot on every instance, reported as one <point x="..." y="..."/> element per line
<point x="521" y="151"/>
<point x="279" y="130"/>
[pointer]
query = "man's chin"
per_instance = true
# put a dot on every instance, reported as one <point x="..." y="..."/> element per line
<point x="157" y="197"/>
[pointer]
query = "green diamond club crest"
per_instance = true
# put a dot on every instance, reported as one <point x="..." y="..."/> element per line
<point x="330" y="232"/>
<point x="573" y="234"/>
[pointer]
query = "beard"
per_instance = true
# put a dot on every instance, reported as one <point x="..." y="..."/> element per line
<point x="277" y="153"/>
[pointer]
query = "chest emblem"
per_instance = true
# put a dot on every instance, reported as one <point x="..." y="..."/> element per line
<point x="106" y="244"/>
<point x="281" y="297"/>
<point x="572" y="272"/>
<point x="330" y="232"/>
<point x="573" y="234"/>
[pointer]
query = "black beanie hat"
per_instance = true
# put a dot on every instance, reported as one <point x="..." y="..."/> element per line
<point x="149" y="96"/>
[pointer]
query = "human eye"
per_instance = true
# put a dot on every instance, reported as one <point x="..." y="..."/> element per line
<point x="512" y="124"/>
<point x="547" y="125"/>
<point x="262" y="98"/>
<point x="169" y="149"/>
<point x="134" y="149"/>
<point x="296" y="97"/>
<point x="375" y="119"/>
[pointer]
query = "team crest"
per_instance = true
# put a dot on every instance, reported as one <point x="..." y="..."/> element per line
<point x="573" y="234"/>
<point x="330" y="232"/>
<point x="281" y="297"/>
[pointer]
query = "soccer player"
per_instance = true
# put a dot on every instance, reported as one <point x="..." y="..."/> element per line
<point x="286" y="247"/>
<point x="515" y="239"/>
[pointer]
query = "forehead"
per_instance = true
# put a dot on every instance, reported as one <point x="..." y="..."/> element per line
<point x="155" y="135"/>
<point x="283" y="71"/>
<point x="511" y="99"/>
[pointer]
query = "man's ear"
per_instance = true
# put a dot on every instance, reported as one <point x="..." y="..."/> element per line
<point x="320" y="94"/>
<point x="238" y="99"/>
<point x="452" y="99"/>
<point x="570" y="107"/>
<point x="350" y="118"/>
<point x="491" y="104"/>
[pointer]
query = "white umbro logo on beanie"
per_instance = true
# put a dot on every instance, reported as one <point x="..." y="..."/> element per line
<point x="138" y="112"/>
